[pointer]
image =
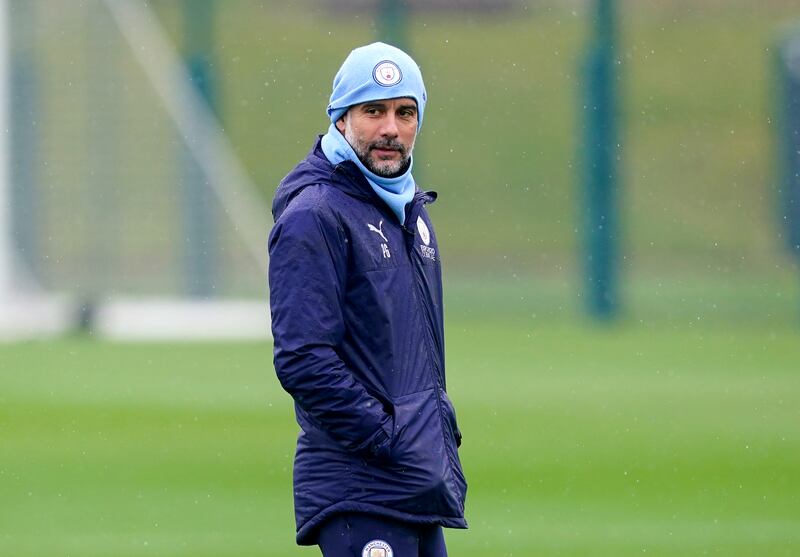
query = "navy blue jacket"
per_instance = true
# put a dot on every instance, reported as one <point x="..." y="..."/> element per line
<point x="359" y="344"/>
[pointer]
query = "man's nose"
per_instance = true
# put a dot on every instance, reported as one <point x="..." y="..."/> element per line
<point x="389" y="126"/>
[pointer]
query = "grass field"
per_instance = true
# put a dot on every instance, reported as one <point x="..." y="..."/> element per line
<point x="675" y="433"/>
<point x="642" y="439"/>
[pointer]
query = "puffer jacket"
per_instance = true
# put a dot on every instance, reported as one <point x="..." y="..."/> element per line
<point x="356" y="303"/>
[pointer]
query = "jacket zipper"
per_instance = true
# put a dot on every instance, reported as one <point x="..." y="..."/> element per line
<point x="435" y="371"/>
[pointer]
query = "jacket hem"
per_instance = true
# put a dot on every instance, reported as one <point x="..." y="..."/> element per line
<point x="307" y="533"/>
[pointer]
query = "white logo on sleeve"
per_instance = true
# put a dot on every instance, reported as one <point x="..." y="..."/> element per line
<point x="387" y="73"/>
<point x="377" y="548"/>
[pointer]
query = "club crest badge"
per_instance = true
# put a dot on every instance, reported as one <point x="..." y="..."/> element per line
<point x="424" y="233"/>
<point x="377" y="548"/>
<point x="387" y="73"/>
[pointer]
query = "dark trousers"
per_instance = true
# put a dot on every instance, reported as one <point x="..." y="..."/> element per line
<point x="363" y="535"/>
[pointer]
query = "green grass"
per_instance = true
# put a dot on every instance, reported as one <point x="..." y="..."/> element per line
<point x="664" y="439"/>
<point x="675" y="433"/>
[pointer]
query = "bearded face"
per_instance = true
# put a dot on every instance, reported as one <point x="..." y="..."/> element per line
<point x="382" y="133"/>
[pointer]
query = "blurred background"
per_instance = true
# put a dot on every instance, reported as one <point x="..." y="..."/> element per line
<point x="619" y="216"/>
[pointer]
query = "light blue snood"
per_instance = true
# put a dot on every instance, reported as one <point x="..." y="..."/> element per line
<point x="395" y="192"/>
<point x="374" y="72"/>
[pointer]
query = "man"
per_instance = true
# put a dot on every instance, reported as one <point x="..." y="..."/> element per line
<point x="356" y="296"/>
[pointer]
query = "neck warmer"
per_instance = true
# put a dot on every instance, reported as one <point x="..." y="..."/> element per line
<point x="395" y="192"/>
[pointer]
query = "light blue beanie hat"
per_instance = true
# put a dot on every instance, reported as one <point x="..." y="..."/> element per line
<point x="375" y="72"/>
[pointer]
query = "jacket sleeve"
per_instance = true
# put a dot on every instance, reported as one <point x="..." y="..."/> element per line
<point x="307" y="277"/>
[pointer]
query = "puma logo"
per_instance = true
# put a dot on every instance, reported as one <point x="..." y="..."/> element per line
<point x="378" y="230"/>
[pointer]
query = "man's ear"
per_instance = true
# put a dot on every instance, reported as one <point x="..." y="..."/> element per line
<point x="340" y="125"/>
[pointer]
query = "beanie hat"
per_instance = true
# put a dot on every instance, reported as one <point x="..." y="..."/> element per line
<point x="375" y="72"/>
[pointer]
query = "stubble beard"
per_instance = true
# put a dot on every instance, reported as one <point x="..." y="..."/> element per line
<point x="385" y="169"/>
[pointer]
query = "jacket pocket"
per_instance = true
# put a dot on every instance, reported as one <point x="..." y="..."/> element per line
<point x="451" y="415"/>
<point x="418" y="452"/>
<point x="417" y="477"/>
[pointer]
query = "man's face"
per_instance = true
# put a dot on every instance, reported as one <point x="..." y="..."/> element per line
<point x="382" y="134"/>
